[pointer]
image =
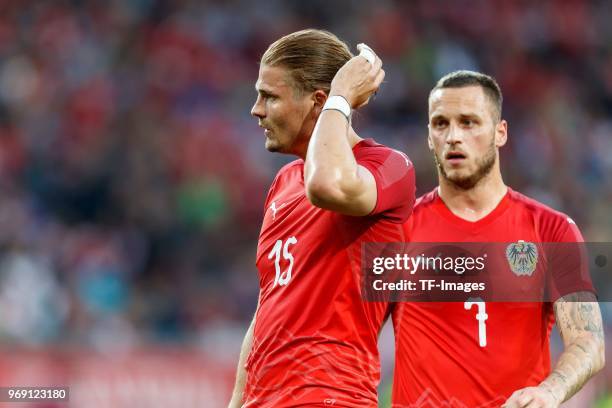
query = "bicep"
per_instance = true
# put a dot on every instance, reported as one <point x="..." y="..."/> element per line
<point x="382" y="184"/>
<point x="365" y="201"/>
<point x="578" y="315"/>
<point x="357" y="198"/>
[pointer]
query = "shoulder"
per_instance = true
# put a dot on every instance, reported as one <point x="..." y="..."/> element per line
<point x="295" y="165"/>
<point x="283" y="176"/>
<point x="425" y="202"/>
<point x="552" y="224"/>
<point x="387" y="165"/>
<point x="288" y="169"/>
<point x="371" y="150"/>
<point x="423" y="212"/>
<point x="537" y="209"/>
<point x="426" y="199"/>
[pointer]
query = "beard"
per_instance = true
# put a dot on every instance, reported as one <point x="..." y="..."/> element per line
<point x="484" y="165"/>
<point x="272" y="146"/>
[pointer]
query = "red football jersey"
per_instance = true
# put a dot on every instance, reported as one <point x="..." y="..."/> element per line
<point x="314" y="338"/>
<point x="476" y="354"/>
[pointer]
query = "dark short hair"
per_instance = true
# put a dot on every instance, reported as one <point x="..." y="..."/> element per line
<point x="489" y="85"/>
<point x="312" y="57"/>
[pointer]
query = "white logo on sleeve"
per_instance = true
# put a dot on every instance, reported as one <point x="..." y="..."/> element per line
<point x="406" y="159"/>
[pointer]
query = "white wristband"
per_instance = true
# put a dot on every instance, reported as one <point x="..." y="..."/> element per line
<point x="339" y="103"/>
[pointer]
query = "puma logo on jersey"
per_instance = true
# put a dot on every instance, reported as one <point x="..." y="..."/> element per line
<point x="274" y="209"/>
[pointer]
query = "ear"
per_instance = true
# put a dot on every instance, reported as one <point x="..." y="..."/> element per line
<point x="429" y="142"/>
<point x="318" y="98"/>
<point x="501" y="133"/>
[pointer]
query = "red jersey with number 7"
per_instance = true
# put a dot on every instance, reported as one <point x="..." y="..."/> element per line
<point x="315" y="339"/>
<point x="476" y="354"/>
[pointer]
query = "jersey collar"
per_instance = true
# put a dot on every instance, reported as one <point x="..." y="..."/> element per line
<point x="471" y="226"/>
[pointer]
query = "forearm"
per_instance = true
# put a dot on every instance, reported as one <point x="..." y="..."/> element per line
<point x="247" y="343"/>
<point x="581" y="329"/>
<point x="577" y="364"/>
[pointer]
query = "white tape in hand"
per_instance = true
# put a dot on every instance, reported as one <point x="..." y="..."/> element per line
<point x="366" y="52"/>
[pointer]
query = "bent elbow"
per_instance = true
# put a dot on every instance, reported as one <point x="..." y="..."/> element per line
<point x="320" y="193"/>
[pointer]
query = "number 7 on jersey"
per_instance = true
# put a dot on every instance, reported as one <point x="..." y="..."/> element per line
<point x="481" y="316"/>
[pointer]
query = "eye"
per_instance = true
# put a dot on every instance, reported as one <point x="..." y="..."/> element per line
<point x="440" y="123"/>
<point x="467" y="122"/>
<point x="266" y="96"/>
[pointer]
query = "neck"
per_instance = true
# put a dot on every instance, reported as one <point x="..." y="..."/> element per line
<point x="477" y="202"/>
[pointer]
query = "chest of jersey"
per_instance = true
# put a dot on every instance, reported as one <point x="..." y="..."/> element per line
<point x="516" y="264"/>
<point x="294" y="237"/>
<point x="510" y="282"/>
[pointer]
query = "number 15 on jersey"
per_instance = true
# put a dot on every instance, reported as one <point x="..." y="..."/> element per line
<point x="282" y="278"/>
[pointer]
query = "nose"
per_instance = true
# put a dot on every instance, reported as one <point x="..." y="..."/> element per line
<point x="258" y="108"/>
<point x="454" y="135"/>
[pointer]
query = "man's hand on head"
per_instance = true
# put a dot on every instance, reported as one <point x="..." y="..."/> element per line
<point x="359" y="78"/>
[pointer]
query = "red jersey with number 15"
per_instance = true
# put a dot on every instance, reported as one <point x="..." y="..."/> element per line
<point x="475" y="354"/>
<point x="315" y="339"/>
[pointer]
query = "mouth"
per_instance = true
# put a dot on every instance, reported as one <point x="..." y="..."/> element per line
<point x="267" y="131"/>
<point x="455" y="157"/>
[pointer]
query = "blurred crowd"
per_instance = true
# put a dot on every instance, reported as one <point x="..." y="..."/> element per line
<point x="132" y="177"/>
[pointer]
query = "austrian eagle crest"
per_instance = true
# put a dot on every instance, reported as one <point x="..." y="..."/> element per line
<point x="522" y="257"/>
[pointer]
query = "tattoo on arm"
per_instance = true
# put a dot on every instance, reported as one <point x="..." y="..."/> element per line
<point x="580" y="325"/>
<point x="579" y="313"/>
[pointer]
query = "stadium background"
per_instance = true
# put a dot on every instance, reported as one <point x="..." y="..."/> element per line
<point x="132" y="177"/>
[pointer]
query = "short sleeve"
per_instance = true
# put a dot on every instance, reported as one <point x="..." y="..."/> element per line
<point x="395" y="181"/>
<point x="568" y="261"/>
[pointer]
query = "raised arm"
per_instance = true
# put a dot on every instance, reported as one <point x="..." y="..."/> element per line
<point x="332" y="177"/>
<point x="581" y="329"/>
